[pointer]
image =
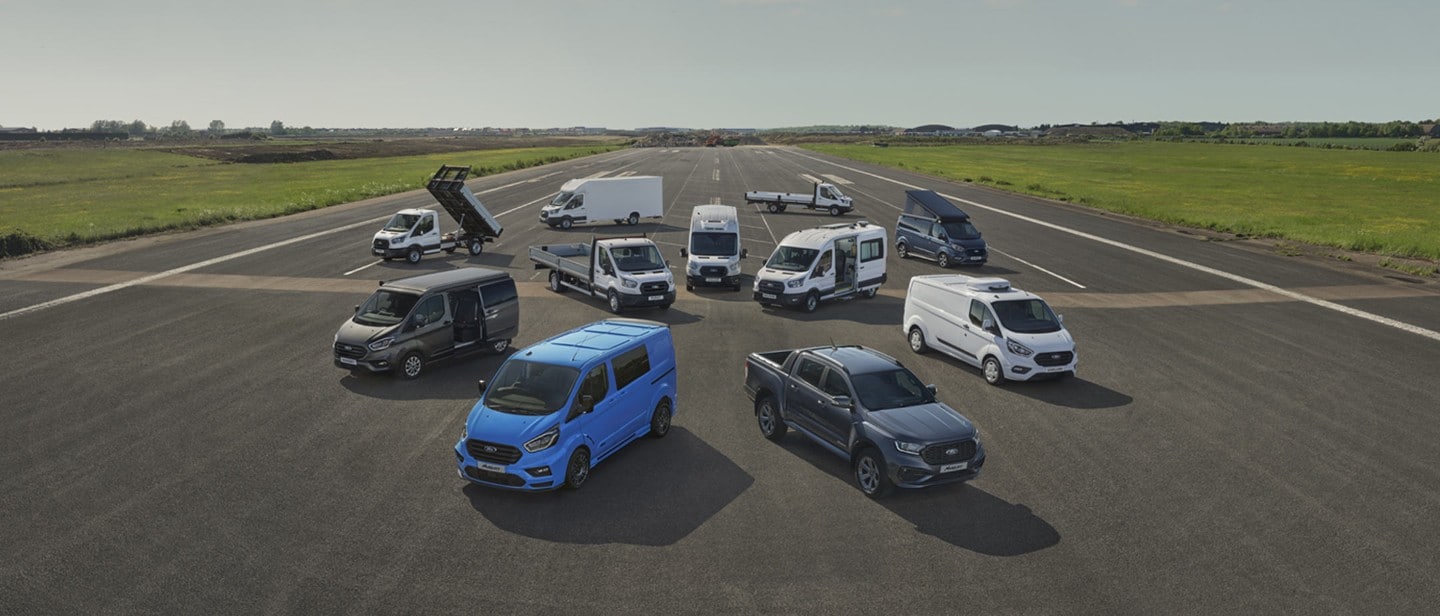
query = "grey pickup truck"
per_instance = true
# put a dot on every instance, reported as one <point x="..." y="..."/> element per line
<point x="867" y="408"/>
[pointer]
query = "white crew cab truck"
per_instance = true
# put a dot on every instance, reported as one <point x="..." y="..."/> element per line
<point x="714" y="253"/>
<point x="622" y="199"/>
<point x="627" y="271"/>
<point x="1008" y="333"/>
<point x="826" y="262"/>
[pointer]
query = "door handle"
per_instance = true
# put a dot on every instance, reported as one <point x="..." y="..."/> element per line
<point x="446" y="323"/>
<point x="491" y="313"/>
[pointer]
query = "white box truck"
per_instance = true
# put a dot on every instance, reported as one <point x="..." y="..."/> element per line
<point x="714" y="253"/>
<point x="626" y="199"/>
<point x="827" y="262"/>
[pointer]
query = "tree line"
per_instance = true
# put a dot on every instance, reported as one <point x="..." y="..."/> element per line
<point x="181" y="129"/>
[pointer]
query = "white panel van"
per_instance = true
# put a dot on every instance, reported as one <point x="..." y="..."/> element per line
<point x="714" y="253"/>
<point x="1008" y="333"/>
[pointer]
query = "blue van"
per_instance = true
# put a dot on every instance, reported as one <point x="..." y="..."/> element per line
<point x="558" y="407"/>
<point x="933" y="228"/>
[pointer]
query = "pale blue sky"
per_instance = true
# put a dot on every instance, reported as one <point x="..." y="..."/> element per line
<point x="714" y="63"/>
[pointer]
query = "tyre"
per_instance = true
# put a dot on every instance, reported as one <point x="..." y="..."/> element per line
<point x="411" y="366"/>
<point x="812" y="301"/>
<point x="917" y="340"/>
<point x="660" y="419"/>
<point x="689" y="287"/>
<point x="614" y="298"/>
<point x="664" y="306"/>
<point x="499" y="346"/>
<point x="901" y="250"/>
<point x="737" y="287"/>
<point x="578" y="469"/>
<point x="634" y="219"/>
<point x="413" y="255"/>
<point x="834" y="210"/>
<point x="870" y="475"/>
<point x="555" y="282"/>
<point x="942" y="259"/>
<point x="870" y="293"/>
<point x="565" y="222"/>
<point x="768" y="416"/>
<point x="990" y="368"/>
<point x="476" y="247"/>
<point x="774" y="209"/>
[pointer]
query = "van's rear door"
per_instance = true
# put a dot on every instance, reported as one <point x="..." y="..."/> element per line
<point x="501" y="306"/>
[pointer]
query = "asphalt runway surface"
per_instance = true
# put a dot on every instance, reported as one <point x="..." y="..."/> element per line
<point x="1249" y="432"/>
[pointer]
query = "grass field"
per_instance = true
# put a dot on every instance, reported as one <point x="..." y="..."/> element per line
<point x="60" y="197"/>
<point x="1381" y="202"/>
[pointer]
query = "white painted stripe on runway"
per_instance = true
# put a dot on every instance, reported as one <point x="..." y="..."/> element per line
<point x="363" y="267"/>
<point x="1314" y="301"/>
<point x="599" y="174"/>
<point x="180" y="270"/>
<point x="810" y="178"/>
<point x="835" y="179"/>
<point x="1038" y="268"/>
<point x="626" y="174"/>
<point x="715" y="176"/>
<point x="521" y="207"/>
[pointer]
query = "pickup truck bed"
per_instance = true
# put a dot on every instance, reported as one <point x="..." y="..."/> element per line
<point x="572" y="259"/>
<point x="765" y="196"/>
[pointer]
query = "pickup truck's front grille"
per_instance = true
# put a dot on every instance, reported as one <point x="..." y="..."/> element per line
<point x="498" y="453"/>
<point x="1054" y="359"/>
<point x="713" y="271"/>
<point x="653" y="287"/>
<point x="504" y="479"/>
<point x="942" y="454"/>
<point x="771" y="286"/>
<point x="349" y="350"/>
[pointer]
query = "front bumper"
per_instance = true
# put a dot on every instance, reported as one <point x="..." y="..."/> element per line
<point x="642" y="301"/>
<point x="1027" y="369"/>
<point x="712" y="281"/>
<point x="376" y="364"/>
<point x="532" y="472"/>
<point x="788" y="300"/>
<point x="389" y="251"/>
<point x="912" y="472"/>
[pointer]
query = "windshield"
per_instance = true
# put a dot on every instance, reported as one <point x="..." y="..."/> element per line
<point x="385" y="307"/>
<point x="637" y="258"/>
<point x="561" y="198"/>
<point x="714" y="244"/>
<point x="890" y="390"/>
<point x="961" y="230"/>
<point x="401" y="222"/>
<point x="1027" y="316"/>
<point x="530" y="388"/>
<point x="792" y="259"/>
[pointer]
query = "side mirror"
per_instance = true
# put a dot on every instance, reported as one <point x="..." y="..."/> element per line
<point x="609" y="271"/>
<point x="931" y="388"/>
<point x="480" y="385"/>
<point x="1059" y="317"/>
<point x="357" y="308"/>
<point x="843" y="402"/>
<point x="684" y="254"/>
<point x="744" y="253"/>
<point x="587" y="403"/>
<point x="988" y="324"/>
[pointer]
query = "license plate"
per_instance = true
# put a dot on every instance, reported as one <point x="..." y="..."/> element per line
<point x="712" y="280"/>
<point x="768" y="295"/>
<point x="1056" y="369"/>
<point x="656" y="298"/>
<point x="486" y="466"/>
<point x="950" y="468"/>
<point x="349" y="362"/>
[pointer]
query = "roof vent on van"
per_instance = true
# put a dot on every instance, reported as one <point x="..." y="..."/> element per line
<point x="989" y="284"/>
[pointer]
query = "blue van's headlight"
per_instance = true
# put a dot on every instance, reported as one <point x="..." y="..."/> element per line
<point x="544" y="441"/>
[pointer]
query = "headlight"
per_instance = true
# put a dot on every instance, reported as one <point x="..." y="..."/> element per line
<point x="396" y="240"/>
<point x="692" y="268"/>
<point x="544" y="441"/>
<point x="910" y="448"/>
<point x="381" y="344"/>
<point x="795" y="283"/>
<point x="1017" y="348"/>
<point x="629" y="283"/>
<point x="733" y="269"/>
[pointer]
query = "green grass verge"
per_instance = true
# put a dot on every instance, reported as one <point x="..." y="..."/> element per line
<point x="1381" y="202"/>
<point x="57" y="198"/>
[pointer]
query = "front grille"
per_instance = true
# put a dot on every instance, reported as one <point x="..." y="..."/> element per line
<point x="381" y="244"/>
<point x="975" y="252"/>
<point x="654" y="287"/>
<point x="937" y="454"/>
<point x="713" y="271"/>
<point x="492" y="452"/>
<point x="504" y="479"/>
<point x="771" y="286"/>
<point x="349" y="350"/>
<point x="1054" y="359"/>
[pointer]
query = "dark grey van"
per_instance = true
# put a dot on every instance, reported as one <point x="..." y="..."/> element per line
<point x="410" y="322"/>
<point x="933" y="228"/>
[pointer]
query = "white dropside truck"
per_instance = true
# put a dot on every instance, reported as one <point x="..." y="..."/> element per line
<point x="827" y="262"/>
<point x="411" y="233"/>
<point x="713" y="257"/>
<point x="626" y="200"/>
<point x="627" y="271"/>
<point x="823" y="197"/>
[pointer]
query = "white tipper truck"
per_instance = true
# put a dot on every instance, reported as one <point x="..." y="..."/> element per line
<point x="411" y="233"/>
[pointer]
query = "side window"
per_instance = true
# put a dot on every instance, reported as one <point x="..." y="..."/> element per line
<point x="498" y="292"/>
<point x="810" y="371"/>
<point x="430" y="310"/>
<point x="631" y="365"/>
<point x="427" y="224"/>
<point x="871" y="250"/>
<point x="578" y="201"/>
<point x="978" y="312"/>
<point x="597" y="383"/>
<point x="835" y="384"/>
<point x="937" y="231"/>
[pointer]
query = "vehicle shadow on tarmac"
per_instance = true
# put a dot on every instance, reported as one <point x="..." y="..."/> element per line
<point x="449" y="379"/>
<point x="878" y="310"/>
<point x="1072" y="392"/>
<point x="962" y="515"/>
<point x="639" y="496"/>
